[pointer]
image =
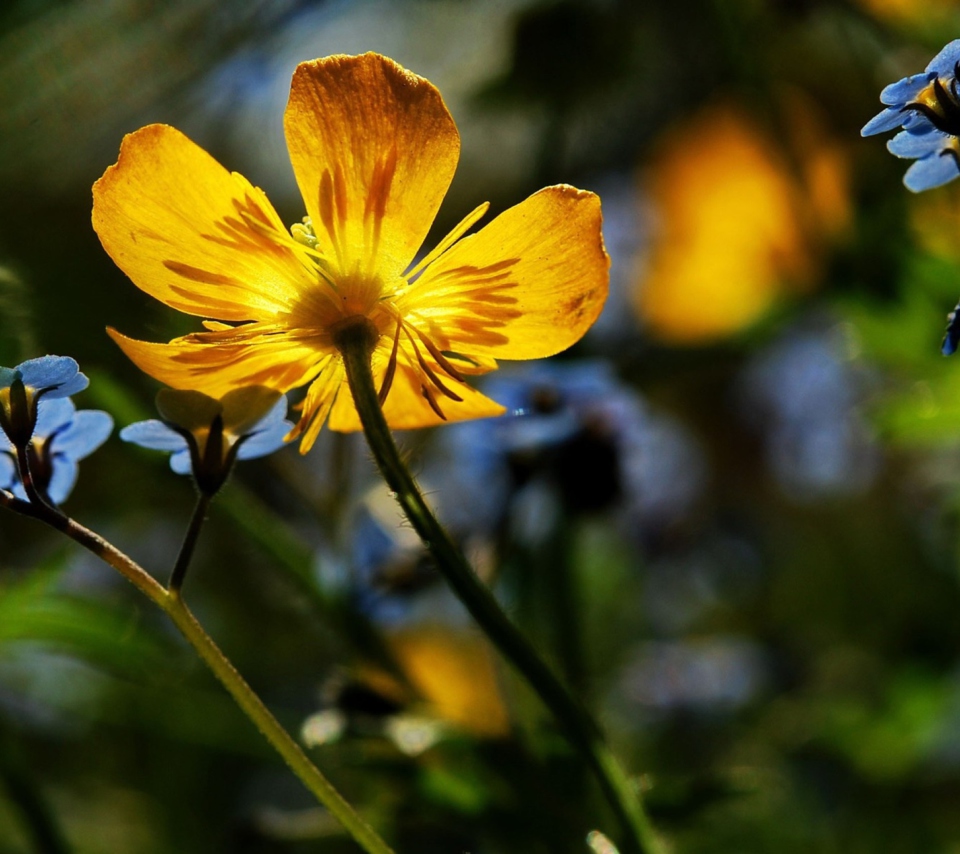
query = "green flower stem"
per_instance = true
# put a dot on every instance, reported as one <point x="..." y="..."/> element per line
<point x="565" y="595"/>
<point x="253" y="707"/>
<point x="108" y="553"/>
<point x="222" y="668"/>
<point x="189" y="543"/>
<point x="355" y="339"/>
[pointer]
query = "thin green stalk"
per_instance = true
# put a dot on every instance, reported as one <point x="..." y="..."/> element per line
<point x="93" y="542"/>
<point x="222" y="668"/>
<point x="355" y="340"/>
<point x="565" y="595"/>
<point x="189" y="543"/>
<point x="268" y="725"/>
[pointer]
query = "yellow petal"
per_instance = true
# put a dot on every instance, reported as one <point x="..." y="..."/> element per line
<point x="193" y="235"/>
<point x="278" y="362"/>
<point x="406" y="408"/>
<point x="374" y="150"/>
<point x="316" y="405"/>
<point x="526" y="286"/>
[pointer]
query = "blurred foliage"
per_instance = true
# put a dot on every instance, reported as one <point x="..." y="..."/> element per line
<point x="742" y="549"/>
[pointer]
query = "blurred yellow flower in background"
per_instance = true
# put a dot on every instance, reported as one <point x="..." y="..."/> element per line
<point x="737" y="224"/>
<point x="455" y="674"/>
<point x="374" y="150"/>
<point x="911" y="11"/>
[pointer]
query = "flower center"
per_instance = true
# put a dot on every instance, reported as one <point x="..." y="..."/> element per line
<point x="940" y="103"/>
<point x="351" y="292"/>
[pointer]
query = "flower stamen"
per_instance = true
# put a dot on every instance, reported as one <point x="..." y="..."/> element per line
<point x="428" y="371"/>
<point x="440" y="359"/>
<point x="428" y="396"/>
<point x="391" y="365"/>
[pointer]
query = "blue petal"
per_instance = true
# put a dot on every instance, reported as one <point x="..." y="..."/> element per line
<point x="917" y="122"/>
<point x="7" y="376"/>
<point x="903" y="91"/>
<point x="264" y="441"/>
<point x="883" y="121"/>
<point x="63" y="479"/>
<point x="930" y="172"/>
<point x="8" y="471"/>
<point x="916" y="145"/>
<point x="60" y="374"/>
<point x="276" y="414"/>
<point x="89" y="429"/>
<point x="155" y="435"/>
<point x="181" y="462"/>
<point x="53" y="415"/>
<point x="943" y="63"/>
<point x="269" y="434"/>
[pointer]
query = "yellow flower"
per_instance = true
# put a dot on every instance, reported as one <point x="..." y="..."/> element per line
<point x="374" y="150"/>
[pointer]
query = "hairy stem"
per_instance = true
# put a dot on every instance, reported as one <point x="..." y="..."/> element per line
<point x="355" y="342"/>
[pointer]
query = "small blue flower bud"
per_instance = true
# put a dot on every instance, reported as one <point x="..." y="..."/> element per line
<point x="206" y="435"/>
<point x="61" y="437"/>
<point x="22" y="387"/>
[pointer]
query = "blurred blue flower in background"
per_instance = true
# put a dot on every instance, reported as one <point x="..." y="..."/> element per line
<point x="205" y="435"/>
<point x="927" y="107"/>
<point x="806" y="397"/>
<point x="575" y="428"/>
<point x="22" y="387"/>
<point x="393" y="579"/>
<point x="708" y="674"/>
<point x="61" y="438"/>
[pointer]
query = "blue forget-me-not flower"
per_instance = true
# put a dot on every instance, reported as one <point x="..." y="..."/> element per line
<point x="206" y="435"/>
<point x="62" y="437"/>
<point x="927" y="107"/>
<point x="22" y="388"/>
